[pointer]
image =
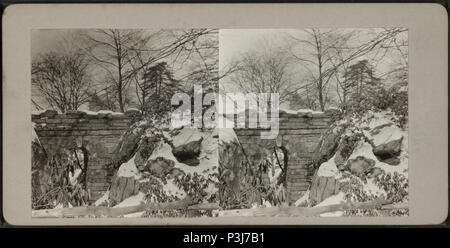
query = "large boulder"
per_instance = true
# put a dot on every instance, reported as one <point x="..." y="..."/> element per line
<point x="360" y="165"/>
<point x="327" y="146"/>
<point x="188" y="153"/>
<point x="125" y="182"/>
<point x="322" y="188"/>
<point x="389" y="149"/>
<point x="159" y="166"/>
<point x="390" y="161"/>
<point x="387" y="143"/>
<point x="128" y="144"/>
<point x="122" y="188"/>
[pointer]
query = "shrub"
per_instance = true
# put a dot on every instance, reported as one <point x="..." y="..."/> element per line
<point x="394" y="186"/>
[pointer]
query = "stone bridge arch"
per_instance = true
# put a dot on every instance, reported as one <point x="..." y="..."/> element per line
<point x="299" y="133"/>
<point x="99" y="133"/>
<point x="96" y="133"/>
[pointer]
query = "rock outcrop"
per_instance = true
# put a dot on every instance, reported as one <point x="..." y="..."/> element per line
<point x="188" y="153"/>
<point x="322" y="188"/>
<point x="159" y="166"/>
<point x="327" y="146"/>
<point x="128" y="144"/>
<point x="387" y="143"/>
<point x="122" y="188"/>
<point x="360" y="165"/>
<point x="358" y="158"/>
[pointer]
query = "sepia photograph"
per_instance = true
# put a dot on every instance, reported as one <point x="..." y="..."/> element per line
<point x="341" y="148"/>
<point x="103" y="144"/>
<point x="200" y="117"/>
<point x="219" y="122"/>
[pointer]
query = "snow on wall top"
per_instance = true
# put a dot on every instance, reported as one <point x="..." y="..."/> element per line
<point x="83" y="113"/>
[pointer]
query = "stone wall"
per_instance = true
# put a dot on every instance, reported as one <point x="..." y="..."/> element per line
<point x="98" y="133"/>
<point x="299" y="133"/>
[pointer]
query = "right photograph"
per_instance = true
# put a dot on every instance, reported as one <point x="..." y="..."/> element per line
<point x="315" y="122"/>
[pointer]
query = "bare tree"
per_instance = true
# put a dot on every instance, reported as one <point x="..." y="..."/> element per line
<point x="306" y="97"/>
<point x="325" y="51"/>
<point x="126" y="54"/>
<point x="200" y="59"/>
<point x="112" y="49"/>
<point x="62" y="79"/>
<point x="266" y="70"/>
<point x="318" y="49"/>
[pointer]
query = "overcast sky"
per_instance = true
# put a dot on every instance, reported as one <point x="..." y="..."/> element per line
<point x="232" y="43"/>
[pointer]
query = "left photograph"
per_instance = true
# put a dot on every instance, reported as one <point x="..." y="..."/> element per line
<point x="103" y="144"/>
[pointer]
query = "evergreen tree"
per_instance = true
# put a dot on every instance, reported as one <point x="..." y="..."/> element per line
<point x="156" y="88"/>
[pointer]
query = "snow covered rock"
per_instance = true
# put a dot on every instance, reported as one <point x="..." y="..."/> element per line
<point x="159" y="166"/>
<point x="387" y="142"/>
<point x="303" y="200"/>
<point x="360" y="159"/>
<point x="332" y="200"/>
<point x="360" y="165"/>
<point x="322" y="188"/>
<point x="103" y="201"/>
<point x="389" y="149"/>
<point x="155" y="172"/>
<point x="327" y="146"/>
<point x="391" y="160"/>
<point x="345" y="148"/>
<point x="122" y="188"/>
<point x="125" y="183"/>
<point x="128" y="144"/>
<point x="188" y="153"/>
<point x="325" y="182"/>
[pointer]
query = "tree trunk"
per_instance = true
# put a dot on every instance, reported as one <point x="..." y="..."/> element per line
<point x="119" y="93"/>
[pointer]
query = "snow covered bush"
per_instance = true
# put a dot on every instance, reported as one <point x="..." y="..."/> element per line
<point x="61" y="182"/>
<point x="381" y="98"/>
<point x="246" y="183"/>
<point x="399" y="102"/>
